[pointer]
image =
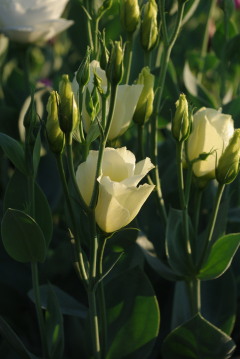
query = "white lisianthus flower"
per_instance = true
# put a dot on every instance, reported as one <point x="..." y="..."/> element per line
<point x="29" y="21"/>
<point x="126" y="102"/>
<point x="119" y="199"/>
<point x="211" y="133"/>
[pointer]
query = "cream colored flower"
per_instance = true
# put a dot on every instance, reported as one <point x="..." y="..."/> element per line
<point x="32" y="20"/>
<point x="211" y="133"/>
<point x="119" y="199"/>
<point x="126" y="102"/>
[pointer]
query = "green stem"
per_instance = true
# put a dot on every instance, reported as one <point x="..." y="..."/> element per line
<point x="102" y="304"/>
<point x="93" y="315"/>
<point x="72" y="172"/>
<point x="140" y="150"/>
<point x="128" y="58"/>
<point x="40" y="317"/>
<point x="197" y="206"/>
<point x="95" y="33"/>
<point x="183" y="202"/>
<point x="79" y="251"/>
<point x="205" y="38"/>
<point x="194" y="287"/>
<point x="212" y="223"/>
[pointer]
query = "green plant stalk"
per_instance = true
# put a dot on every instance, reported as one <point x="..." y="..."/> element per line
<point x="102" y="146"/>
<point x="79" y="254"/>
<point x="93" y="314"/>
<point x="128" y="58"/>
<point x="72" y="171"/>
<point x="140" y="150"/>
<point x="194" y="288"/>
<point x="211" y="224"/>
<point x="36" y="291"/>
<point x="95" y="37"/>
<point x="197" y="206"/>
<point x="223" y="60"/>
<point x="89" y="29"/>
<point x="168" y="45"/>
<point x="102" y="304"/>
<point x="212" y="5"/>
<point x="183" y="202"/>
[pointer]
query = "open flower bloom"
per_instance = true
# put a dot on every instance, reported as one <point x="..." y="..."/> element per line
<point x="126" y="102"/>
<point x="210" y="134"/>
<point x="119" y="199"/>
<point x="32" y="20"/>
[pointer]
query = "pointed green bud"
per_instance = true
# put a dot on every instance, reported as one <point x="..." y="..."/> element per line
<point x="181" y="121"/>
<point x="83" y="72"/>
<point x="92" y="103"/>
<point x="104" y="57"/>
<point x="145" y="103"/>
<point x="55" y="136"/>
<point x="114" y="69"/>
<point x="149" y="26"/>
<point x="68" y="111"/>
<point x="228" y="165"/>
<point x="130" y="15"/>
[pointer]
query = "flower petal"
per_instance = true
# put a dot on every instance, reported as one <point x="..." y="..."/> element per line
<point x="126" y="102"/>
<point x="85" y="176"/>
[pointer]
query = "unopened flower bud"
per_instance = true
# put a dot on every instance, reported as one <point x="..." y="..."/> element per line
<point x="181" y="121"/>
<point x="92" y="103"/>
<point x="55" y="135"/>
<point x="228" y="165"/>
<point x="114" y="69"/>
<point x="149" y="26"/>
<point x="130" y="15"/>
<point x="68" y="111"/>
<point x="83" y="72"/>
<point x="145" y="103"/>
<point x="104" y="57"/>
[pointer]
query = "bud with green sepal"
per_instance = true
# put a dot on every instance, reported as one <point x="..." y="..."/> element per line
<point x="104" y="56"/>
<point x="181" y="123"/>
<point x="228" y="165"/>
<point x="55" y="136"/>
<point x="130" y="15"/>
<point x="114" y="69"/>
<point x="144" y="106"/>
<point x="83" y="72"/>
<point x="149" y="25"/>
<point x="68" y="111"/>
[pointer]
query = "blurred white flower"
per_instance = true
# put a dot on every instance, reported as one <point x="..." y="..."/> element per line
<point x="119" y="199"/>
<point x="126" y="102"/>
<point x="28" y="21"/>
<point x="211" y="133"/>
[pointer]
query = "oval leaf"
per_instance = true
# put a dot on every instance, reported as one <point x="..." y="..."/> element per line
<point x="197" y="339"/>
<point x="133" y="316"/>
<point x="14" y="151"/>
<point x="22" y="237"/>
<point x="16" y="196"/>
<point x="220" y="257"/>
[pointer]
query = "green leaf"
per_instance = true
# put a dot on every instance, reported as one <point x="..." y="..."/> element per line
<point x="54" y="325"/>
<point x="14" y="151"/>
<point x="218" y="306"/>
<point x="133" y="316"/>
<point x="197" y="339"/>
<point x="175" y="244"/>
<point x="68" y="304"/>
<point x="16" y="196"/>
<point x="220" y="256"/>
<point x="22" y="237"/>
<point x="11" y="337"/>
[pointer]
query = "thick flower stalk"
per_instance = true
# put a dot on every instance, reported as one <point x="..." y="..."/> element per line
<point x="120" y="199"/>
<point x="126" y="94"/>
<point x="211" y="132"/>
<point x="31" y="21"/>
